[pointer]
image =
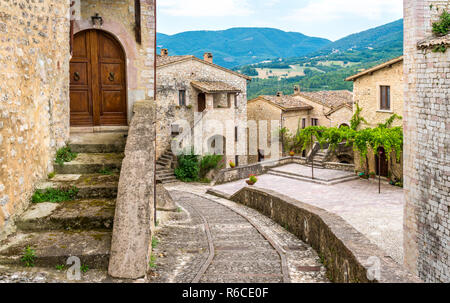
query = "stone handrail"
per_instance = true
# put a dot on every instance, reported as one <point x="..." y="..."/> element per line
<point x="133" y="221"/>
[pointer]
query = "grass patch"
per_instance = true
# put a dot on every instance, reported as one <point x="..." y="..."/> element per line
<point x="54" y="195"/>
<point x="51" y="175"/>
<point x="84" y="268"/>
<point x="64" y="154"/>
<point x="152" y="262"/>
<point x="179" y="210"/>
<point x="28" y="257"/>
<point x="106" y="172"/>
<point x="155" y="242"/>
<point x="60" y="267"/>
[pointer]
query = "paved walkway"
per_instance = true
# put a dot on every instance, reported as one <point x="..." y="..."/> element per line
<point x="378" y="216"/>
<point x="319" y="173"/>
<point x="216" y="240"/>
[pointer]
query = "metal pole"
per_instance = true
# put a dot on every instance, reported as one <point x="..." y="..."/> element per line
<point x="312" y="160"/>
<point x="379" y="172"/>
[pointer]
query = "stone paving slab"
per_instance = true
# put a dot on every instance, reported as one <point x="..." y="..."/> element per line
<point x="378" y="216"/>
<point x="319" y="173"/>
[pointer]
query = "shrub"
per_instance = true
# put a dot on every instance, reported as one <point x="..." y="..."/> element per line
<point x="443" y="25"/>
<point x="188" y="168"/>
<point x="54" y="195"/>
<point x="208" y="163"/>
<point x="65" y="154"/>
<point x="28" y="257"/>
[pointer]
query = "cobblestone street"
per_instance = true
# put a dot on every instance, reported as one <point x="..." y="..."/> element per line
<point x="216" y="240"/>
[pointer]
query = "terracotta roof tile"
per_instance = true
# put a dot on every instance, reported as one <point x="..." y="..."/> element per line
<point x="160" y="60"/>
<point x="332" y="99"/>
<point x="214" y="87"/>
<point x="288" y="102"/>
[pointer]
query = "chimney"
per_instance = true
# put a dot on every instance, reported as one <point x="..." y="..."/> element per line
<point x="279" y="94"/>
<point x="208" y="57"/>
<point x="296" y="89"/>
<point x="164" y="52"/>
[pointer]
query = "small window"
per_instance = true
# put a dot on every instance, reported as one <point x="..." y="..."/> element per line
<point x="304" y="123"/>
<point x="314" y="122"/>
<point x="236" y="134"/>
<point x="236" y="160"/>
<point x="385" y="97"/>
<point x="182" y="98"/>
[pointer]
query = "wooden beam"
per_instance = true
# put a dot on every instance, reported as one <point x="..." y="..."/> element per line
<point x="137" y="19"/>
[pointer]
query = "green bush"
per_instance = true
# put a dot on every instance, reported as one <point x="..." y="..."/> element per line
<point x="188" y="168"/>
<point x="54" y="195"/>
<point x="442" y="27"/>
<point x="210" y="162"/>
<point x="65" y="154"/>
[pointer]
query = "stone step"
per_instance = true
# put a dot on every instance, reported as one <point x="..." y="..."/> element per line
<point x="90" y="186"/>
<point x="98" y="142"/>
<point x="72" y="215"/>
<point x="91" y="163"/>
<point x="165" y="178"/>
<point x="53" y="248"/>
<point x="167" y="157"/>
<point x="316" y="180"/>
<point x="168" y="181"/>
<point x="163" y="163"/>
<point x="165" y="174"/>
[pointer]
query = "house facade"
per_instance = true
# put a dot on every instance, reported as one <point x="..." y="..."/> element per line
<point x="201" y="105"/>
<point x="379" y="93"/>
<point x="66" y="66"/>
<point x="268" y="114"/>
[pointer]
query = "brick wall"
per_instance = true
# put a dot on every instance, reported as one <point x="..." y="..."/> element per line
<point x="426" y="146"/>
<point x="34" y="100"/>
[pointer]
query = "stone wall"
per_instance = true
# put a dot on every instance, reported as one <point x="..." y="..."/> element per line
<point x="366" y="92"/>
<point x="178" y="76"/>
<point x="341" y="116"/>
<point x="395" y="167"/>
<point x="257" y="112"/>
<point x="426" y="146"/>
<point x="119" y="20"/>
<point x="346" y="253"/>
<point x="34" y="97"/>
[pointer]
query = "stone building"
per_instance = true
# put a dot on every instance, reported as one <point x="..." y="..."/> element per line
<point x="426" y="145"/>
<point x="379" y="93"/>
<point x="74" y="66"/>
<point x="201" y="104"/>
<point x="300" y="110"/>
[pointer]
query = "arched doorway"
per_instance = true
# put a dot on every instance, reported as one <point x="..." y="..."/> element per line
<point x="97" y="80"/>
<point x="381" y="163"/>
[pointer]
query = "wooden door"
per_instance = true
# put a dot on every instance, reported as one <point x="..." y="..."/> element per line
<point x="201" y="102"/>
<point x="97" y="81"/>
<point x="382" y="167"/>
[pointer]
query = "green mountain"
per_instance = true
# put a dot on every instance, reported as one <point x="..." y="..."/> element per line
<point x="240" y="46"/>
<point x="327" y="68"/>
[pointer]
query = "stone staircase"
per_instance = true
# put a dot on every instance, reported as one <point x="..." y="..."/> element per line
<point x="81" y="227"/>
<point x="165" y="168"/>
<point x="319" y="158"/>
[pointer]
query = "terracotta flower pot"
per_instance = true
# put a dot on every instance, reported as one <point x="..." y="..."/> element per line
<point x="250" y="182"/>
<point x="292" y="153"/>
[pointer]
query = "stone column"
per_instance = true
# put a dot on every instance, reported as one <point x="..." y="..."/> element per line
<point x="209" y="101"/>
<point x="426" y="144"/>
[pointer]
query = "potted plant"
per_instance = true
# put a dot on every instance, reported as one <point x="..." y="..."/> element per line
<point x="232" y="164"/>
<point x="372" y="174"/>
<point x="292" y="153"/>
<point x="251" y="180"/>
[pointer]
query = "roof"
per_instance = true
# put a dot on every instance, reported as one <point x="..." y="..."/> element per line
<point x="375" y="68"/>
<point x="162" y="61"/>
<point x="346" y="105"/>
<point x="286" y="103"/>
<point x="331" y="99"/>
<point x="210" y="87"/>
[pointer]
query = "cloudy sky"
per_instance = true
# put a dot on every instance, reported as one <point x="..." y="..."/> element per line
<point x="332" y="19"/>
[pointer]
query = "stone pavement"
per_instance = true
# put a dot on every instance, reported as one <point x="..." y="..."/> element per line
<point x="243" y="242"/>
<point x="378" y="216"/>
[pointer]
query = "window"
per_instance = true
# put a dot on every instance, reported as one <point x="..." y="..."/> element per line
<point x="236" y="160"/>
<point x="304" y="123"/>
<point x="182" y="98"/>
<point x="236" y="134"/>
<point x="385" y="97"/>
<point x="314" y="122"/>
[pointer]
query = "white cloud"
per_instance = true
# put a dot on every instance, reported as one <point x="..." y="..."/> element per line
<point x="205" y="8"/>
<point x="329" y="10"/>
